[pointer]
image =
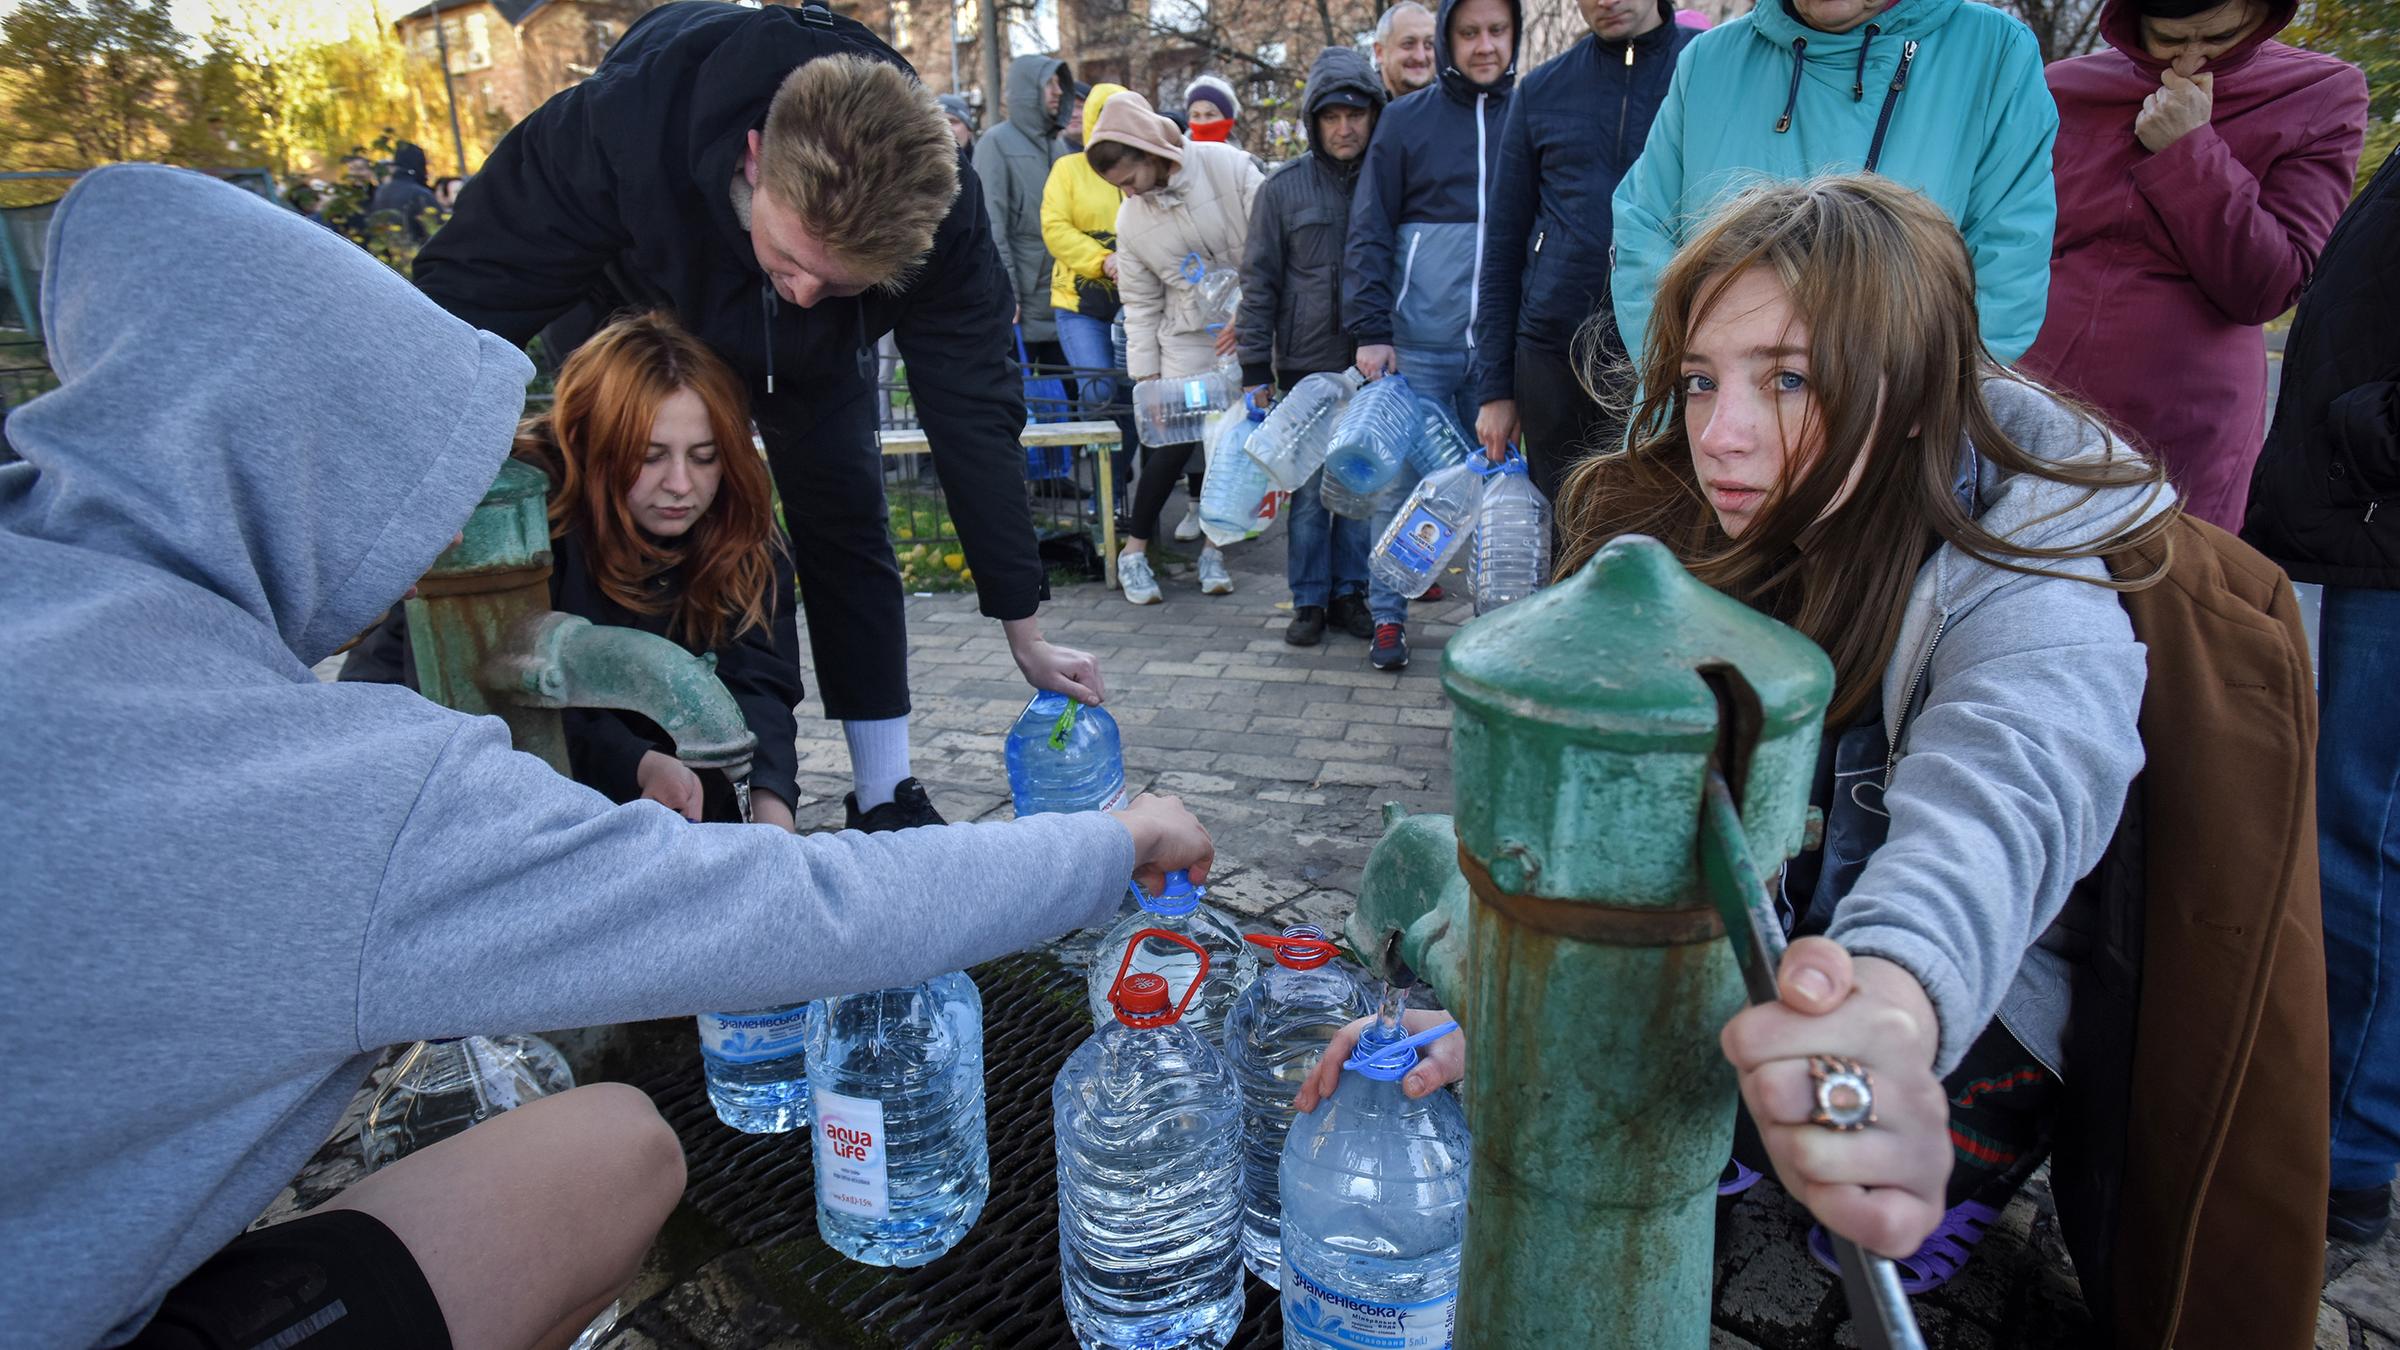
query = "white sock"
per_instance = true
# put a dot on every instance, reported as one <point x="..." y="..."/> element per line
<point x="878" y="758"/>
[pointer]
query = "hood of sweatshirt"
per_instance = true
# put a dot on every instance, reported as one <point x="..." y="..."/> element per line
<point x="1028" y="76"/>
<point x="1093" y="103"/>
<point x="258" y="463"/>
<point x="2121" y="27"/>
<point x="1454" y="81"/>
<point x="1840" y="59"/>
<point x="1339" y="70"/>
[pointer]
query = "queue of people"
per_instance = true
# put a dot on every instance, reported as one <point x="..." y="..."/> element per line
<point x="1888" y="333"/>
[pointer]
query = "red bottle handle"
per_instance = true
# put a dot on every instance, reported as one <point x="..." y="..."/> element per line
<point x="1296" y="953"/>
<point x="1116" y="987"/>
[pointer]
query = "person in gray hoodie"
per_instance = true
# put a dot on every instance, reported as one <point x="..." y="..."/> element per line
<point x="1013" y="161"/>
<point x="229" y="885"/>
<point x="1824" y="437"/>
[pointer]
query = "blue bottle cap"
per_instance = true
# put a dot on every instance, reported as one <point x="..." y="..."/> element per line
<point x="1389" y="1061"/>
<point x="1177" y="897"/>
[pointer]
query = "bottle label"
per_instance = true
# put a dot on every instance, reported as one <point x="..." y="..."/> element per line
<point x="1420" y="539"/>
<point x="1117" y="800"/>
<point x="1195" y="395"/>
<point x="754" y="1037"/>
<point x="851" y="1174"/>
<point x="1316" y="1315"/>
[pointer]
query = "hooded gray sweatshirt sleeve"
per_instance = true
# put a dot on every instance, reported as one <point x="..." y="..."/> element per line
<point x="243" y="880"/>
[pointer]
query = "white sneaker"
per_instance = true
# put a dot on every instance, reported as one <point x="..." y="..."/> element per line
<point x="1214" y="579"/>
<point x="1188" y="529"/>
<point x="1135" y="576"/>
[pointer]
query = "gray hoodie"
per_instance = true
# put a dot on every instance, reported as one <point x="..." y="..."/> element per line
<point x="231" y="884"/>
<point x="2010" y="704"/>
<point x="1013" y="160"/>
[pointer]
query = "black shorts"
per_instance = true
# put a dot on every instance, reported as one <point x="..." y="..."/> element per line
<point x="334" y="1280"/>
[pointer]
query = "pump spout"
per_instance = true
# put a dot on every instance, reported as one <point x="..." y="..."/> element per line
<point x="554" y="660"/>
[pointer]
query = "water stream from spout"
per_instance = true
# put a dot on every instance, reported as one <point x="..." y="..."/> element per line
<point x="741" y="797"/>
<point x="1387" y="1014"/>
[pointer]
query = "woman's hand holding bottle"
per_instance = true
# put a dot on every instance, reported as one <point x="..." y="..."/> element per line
<point x="1167" y="837"/>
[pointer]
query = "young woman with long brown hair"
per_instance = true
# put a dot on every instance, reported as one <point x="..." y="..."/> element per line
<point x="1822" y="435"/>
<point x="662" y="519"/>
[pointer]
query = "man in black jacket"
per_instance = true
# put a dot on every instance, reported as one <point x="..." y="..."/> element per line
<point x="1290" y="326"/>
<point x="1575" y="126"/>
<point x="778" y="179"/>
<point x="2325" y="502"/>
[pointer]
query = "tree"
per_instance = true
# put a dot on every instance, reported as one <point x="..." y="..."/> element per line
<point x="89" y="83"/>
<point x="2366" y="33"/>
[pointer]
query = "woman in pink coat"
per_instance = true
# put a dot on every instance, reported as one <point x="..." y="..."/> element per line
<point x="2200" y="165"/>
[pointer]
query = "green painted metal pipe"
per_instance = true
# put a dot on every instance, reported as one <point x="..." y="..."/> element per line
<point x="1571" y="931"/>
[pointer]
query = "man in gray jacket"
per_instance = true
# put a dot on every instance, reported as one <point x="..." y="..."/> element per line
<point x="1013" y="160"/>
<point x="1290" y="325"/>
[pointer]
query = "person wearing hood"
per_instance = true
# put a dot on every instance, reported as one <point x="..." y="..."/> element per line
<point x="2200" y="166"/>
<point x="1403" y="49"/>
<point x="1822" y="435"/>
<point x="1419" y="224"/>
<point x="1575" y="125"/>
<point x="1186" y="214"/>
<point x="962" y="119"/>
<point x="1079" y="227"/>
<point x="322" y="870"/>
<point x="1014" y="161"/>
<point x="2325" y="503"/>
<point x="1291" y="323"/>
<point x="779" y="180"/>
<point x="407" y="194"/>
<point x="1071" y="134"/>
<point x="1210" y="108"/>
<point x="1945" y="96"/>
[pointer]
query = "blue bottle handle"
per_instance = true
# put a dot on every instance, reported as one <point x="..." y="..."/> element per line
<point x="1391" y="1061"/>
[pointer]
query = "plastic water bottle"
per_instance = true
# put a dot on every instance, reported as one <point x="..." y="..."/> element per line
<point x="1149" y="1129"/>
<point x="1512" y="538"/>
<point x="1220" y="298"/>
<point x="1063" y="756"/>
<point x="757" y="1067"/>
<point x="1291" y="443"/>
<point x="1349" y="505"/>
<point x="1278" y="1028"/>
<point x="1237" y="499"/>
<point x="1375" y="1206"/>
<point x="1371" y="442"/>
<point x="1175" y="412"/>
<point x="1443" y="442"/>
<point x="438" y="1088"/>
<point x="1177" y="910"/>
<point x="903" y="1167"/>
<point x="1428" y="530"/>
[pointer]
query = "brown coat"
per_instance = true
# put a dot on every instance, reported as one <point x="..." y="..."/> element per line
<point x="2219" y="1209"/>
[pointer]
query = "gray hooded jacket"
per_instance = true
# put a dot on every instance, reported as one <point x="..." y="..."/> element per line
<point x="2010" y="709"/>
<point x="246" y="882"/>
<point x="1013" y="161"/>
<point x="1291" y="315"/>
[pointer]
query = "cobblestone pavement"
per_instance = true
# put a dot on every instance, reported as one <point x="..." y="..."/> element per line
<point x="1287" y="754"/>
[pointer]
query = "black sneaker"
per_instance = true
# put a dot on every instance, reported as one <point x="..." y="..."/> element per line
<point x="2359" y="1216"/>
<point x="1349" y="613"/>
<point x="908" y="808"/>
<point x="1390" y="651"/>
<point x="1307" y="627"/>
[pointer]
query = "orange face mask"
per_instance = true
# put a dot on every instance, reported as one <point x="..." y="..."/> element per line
<point x="1213" y="131"/>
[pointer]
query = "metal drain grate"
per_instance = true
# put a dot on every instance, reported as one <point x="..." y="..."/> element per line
<point x="999" y="1288"/>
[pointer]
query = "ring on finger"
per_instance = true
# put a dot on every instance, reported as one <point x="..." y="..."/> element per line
<point x="1845" y="1093"/>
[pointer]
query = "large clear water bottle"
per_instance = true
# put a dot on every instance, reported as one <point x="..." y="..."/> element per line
<point x="1375" y="1206"/>
<point x="1220" y="293"/>
<point x="757" y="1067"/>
<point x="1149" y="1129"/>
<point x="1371" y="442"/>
<point x="1175" y="411"/>
<point x="1237" y="499"/>
<point x="1443" y="442"/>
<point x="438" y="1088"/>
<point x="1349" y="505"/>
<point x="1177" y="909"/>
<point x="1428" y="530"/>
<point x="1290" y="444"/>
<point x="1064" y="756"/>
<point x="903" y="1167"/>
<point x="1512" y="538"/>
<point x="1278" y="1028"/>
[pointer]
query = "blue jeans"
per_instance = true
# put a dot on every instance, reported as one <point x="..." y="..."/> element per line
<point x="1326" y="554"/>
<point x="2358" y="845"/>
<point x="1085" y="340"/>
<point x="1444" y="378"/>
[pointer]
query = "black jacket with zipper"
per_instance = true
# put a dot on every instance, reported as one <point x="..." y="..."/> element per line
<point x="1291" y="317"/>
<point x="1575" y="125"/>
<point x="618" y="192"/>
<point x="2325" y="497"/>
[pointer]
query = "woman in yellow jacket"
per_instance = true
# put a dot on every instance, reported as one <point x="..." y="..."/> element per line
<point x="1079" y="223"/>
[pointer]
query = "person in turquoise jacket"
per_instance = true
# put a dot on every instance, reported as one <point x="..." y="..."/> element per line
<point x="1942" y="95"/>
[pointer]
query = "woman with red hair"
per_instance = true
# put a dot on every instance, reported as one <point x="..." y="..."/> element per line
<point x="662" y="519"/>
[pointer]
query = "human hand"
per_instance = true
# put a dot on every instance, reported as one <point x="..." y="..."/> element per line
<point x="1440" y="1063"/>
<point x="1046" y="665"/>
<point x="1108" y="266"/>
<point x="2180" y="107"/>
<point x="768" y="809"/>
<point x="1495" y="427"/>
<point x="664" y="779"/>
<point x="1167" y="837"/>
<point x="1377" y="359"/>
<point x="1882" y="1186"/>
<point x="1260" y="396"/>
<point x="1227" y="340"/>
